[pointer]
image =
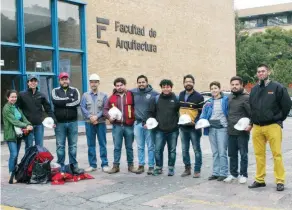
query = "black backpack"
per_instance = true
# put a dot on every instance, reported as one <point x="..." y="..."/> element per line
<point x="34" y="167"/>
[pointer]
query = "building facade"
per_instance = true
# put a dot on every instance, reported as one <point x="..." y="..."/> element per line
<point x="122" y="38"/>
<point x="259" y="18"/>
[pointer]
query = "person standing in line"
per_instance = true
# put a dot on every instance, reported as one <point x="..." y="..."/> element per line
<point x="66" y="99"/>
<point x="32" y="102"/>
<point x="92" y="104"/>
<point x="239" y="108"/>
<point x="143" y="95"/>
<point x="13" y="117"/>
<point x="191" y="103"/>
<point x="270" y="105"/>
<point x="165" y="109"/>
<point x="123" y="100"/>
<point x="216" y="111"/>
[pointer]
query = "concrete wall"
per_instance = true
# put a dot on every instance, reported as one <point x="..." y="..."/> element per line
<point x="193" y="37"/>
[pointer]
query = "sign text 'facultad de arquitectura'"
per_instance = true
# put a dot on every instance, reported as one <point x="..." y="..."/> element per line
<point x="127" y="29"/>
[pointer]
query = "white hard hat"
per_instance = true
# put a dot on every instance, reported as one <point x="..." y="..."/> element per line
<point x="202" y="123"/>
<point x="94" y="77"/>
<point x="115" y="113"/>
<point x="48" y="122"/>
<point x="242" y="124"/>
<point x="151" y="123"/>
<point x="184" y="119"/>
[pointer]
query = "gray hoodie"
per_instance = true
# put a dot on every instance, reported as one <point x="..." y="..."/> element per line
<point x="142" y="100"/>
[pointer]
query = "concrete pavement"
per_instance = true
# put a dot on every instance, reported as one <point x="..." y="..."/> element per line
<point x="130" y="191"/>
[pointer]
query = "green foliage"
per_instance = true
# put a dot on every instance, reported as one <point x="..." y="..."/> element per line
<point x="272" y="47"/>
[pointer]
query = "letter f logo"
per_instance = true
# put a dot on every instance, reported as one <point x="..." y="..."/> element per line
<point x="100" y="28"/>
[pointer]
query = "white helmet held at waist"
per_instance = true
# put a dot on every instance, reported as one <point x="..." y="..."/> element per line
<point x="184" y="119"/>
<point x="242" y="124"/>
<point x="94" y="77"/>
<point x="48" y="122"/>
<point x="202" y="123"/>
<point x="115" y="113"/>
<point x="151" y="123"/>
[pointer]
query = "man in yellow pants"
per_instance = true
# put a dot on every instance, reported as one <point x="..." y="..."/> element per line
<point x="270" y="105"/>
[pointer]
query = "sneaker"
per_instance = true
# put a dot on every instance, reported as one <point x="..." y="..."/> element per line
<point x="256" y="184"/>
<point x="197" y="175"/>
<point x="114" y="169"/>
<point x="140" y="170"/>
<point x="105" y="169"/>
<point x="230" y="178"/>
<point x="242" y="179"/>
<point x="90" y="169"/>
<point x="221" y="178"/>
<point x="157" y="171"/>
<point x="170" y="171"/>
<point x="150" y="171"/>
<point x="280" y="187"/>
<point x="213" y="177"/>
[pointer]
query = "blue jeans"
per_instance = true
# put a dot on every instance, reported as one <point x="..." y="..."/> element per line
<point x="14" y="147"/>
<point x="219" y="142"/>
<point x="143" y="136"/>
<point x="92" y="131"/>
<point x="70" y="131"/>
<point x="161" y="138"/>
<point x="37" y="134"/>
<point x="191" y="135"/>
<point x="119" y="132"/>
<point x="235" y="144"/>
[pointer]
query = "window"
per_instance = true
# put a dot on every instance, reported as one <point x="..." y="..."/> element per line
<point x="38" y="60"/>
<point x="250" y="23"/>
<point x="71" y="63"/>
<point x="8" y="21"/>
<point x="69" y="25"/>
<point x="9" y="57"/>
<point x="279" y="20"/>
<point x="37" y="22"/>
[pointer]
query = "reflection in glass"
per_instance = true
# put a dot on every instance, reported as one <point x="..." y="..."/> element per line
<point x="9" y="57"/>
<point x="279" y="20"/>
<point x="37" y="21"/>
<point x="69" y="25"/>
<point x="8" y="21"/>
<point x="250" y="23"/>
<point x="38" y="60"/>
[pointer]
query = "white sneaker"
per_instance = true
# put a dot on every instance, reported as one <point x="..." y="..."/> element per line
<point x="90" y="169"/>
<point x="105" y="169"/>
<point x="230" y="178"/>
<point x="242" y="179"/>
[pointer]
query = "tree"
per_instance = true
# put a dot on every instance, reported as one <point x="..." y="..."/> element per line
<point x="273" y="47"/>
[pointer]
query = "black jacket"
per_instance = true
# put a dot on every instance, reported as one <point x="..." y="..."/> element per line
<point x="238" y="108"/>
<point x="269" y="104"/>
<point x="32" y="106"/>
<point x="65" y="104"/>
<point x="165" y="111"/>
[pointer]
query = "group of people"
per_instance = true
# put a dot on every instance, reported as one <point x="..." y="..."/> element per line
<point x="267" y="106"/>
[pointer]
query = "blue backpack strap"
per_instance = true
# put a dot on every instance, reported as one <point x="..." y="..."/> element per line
<point x="156" y="99"/>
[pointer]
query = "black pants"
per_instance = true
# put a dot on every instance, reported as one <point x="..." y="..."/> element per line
<point x="235" y="144"/>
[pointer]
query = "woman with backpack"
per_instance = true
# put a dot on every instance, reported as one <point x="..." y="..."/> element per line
<point x="14" y="121"/>
<point x="215" y="111"/>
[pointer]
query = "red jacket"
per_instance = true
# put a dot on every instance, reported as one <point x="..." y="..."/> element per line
<point x="125" y="104"/>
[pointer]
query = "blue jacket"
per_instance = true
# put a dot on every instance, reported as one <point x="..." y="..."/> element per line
<point x="142" y="101"/>
<point x="208" y="110"/>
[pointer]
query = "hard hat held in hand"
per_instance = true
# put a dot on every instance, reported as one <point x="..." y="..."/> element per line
<point x="48" y="122"/>
<point x="94" y="77"/>
<point x="202" y="123"/>
<point x="115" y="113"/>
<point x="151" y="123"/>
<point x="242" y="124"/>
<point x="184" y="119"/>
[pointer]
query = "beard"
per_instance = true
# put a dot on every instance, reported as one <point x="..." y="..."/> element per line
<point x="189" y="87"/>
<point x="237" y="92"/>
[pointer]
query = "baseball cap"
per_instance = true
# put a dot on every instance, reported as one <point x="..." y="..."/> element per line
<point x="32" y="76"/>
<point x="63" y="74"/>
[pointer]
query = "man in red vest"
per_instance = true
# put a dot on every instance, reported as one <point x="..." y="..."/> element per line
<point x="122" y="128"/>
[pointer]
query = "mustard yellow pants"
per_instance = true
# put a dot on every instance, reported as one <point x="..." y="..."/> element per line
<point x="260" y="136"/>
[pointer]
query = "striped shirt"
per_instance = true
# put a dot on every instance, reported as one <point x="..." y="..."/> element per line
<point x="218" y="114"/>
